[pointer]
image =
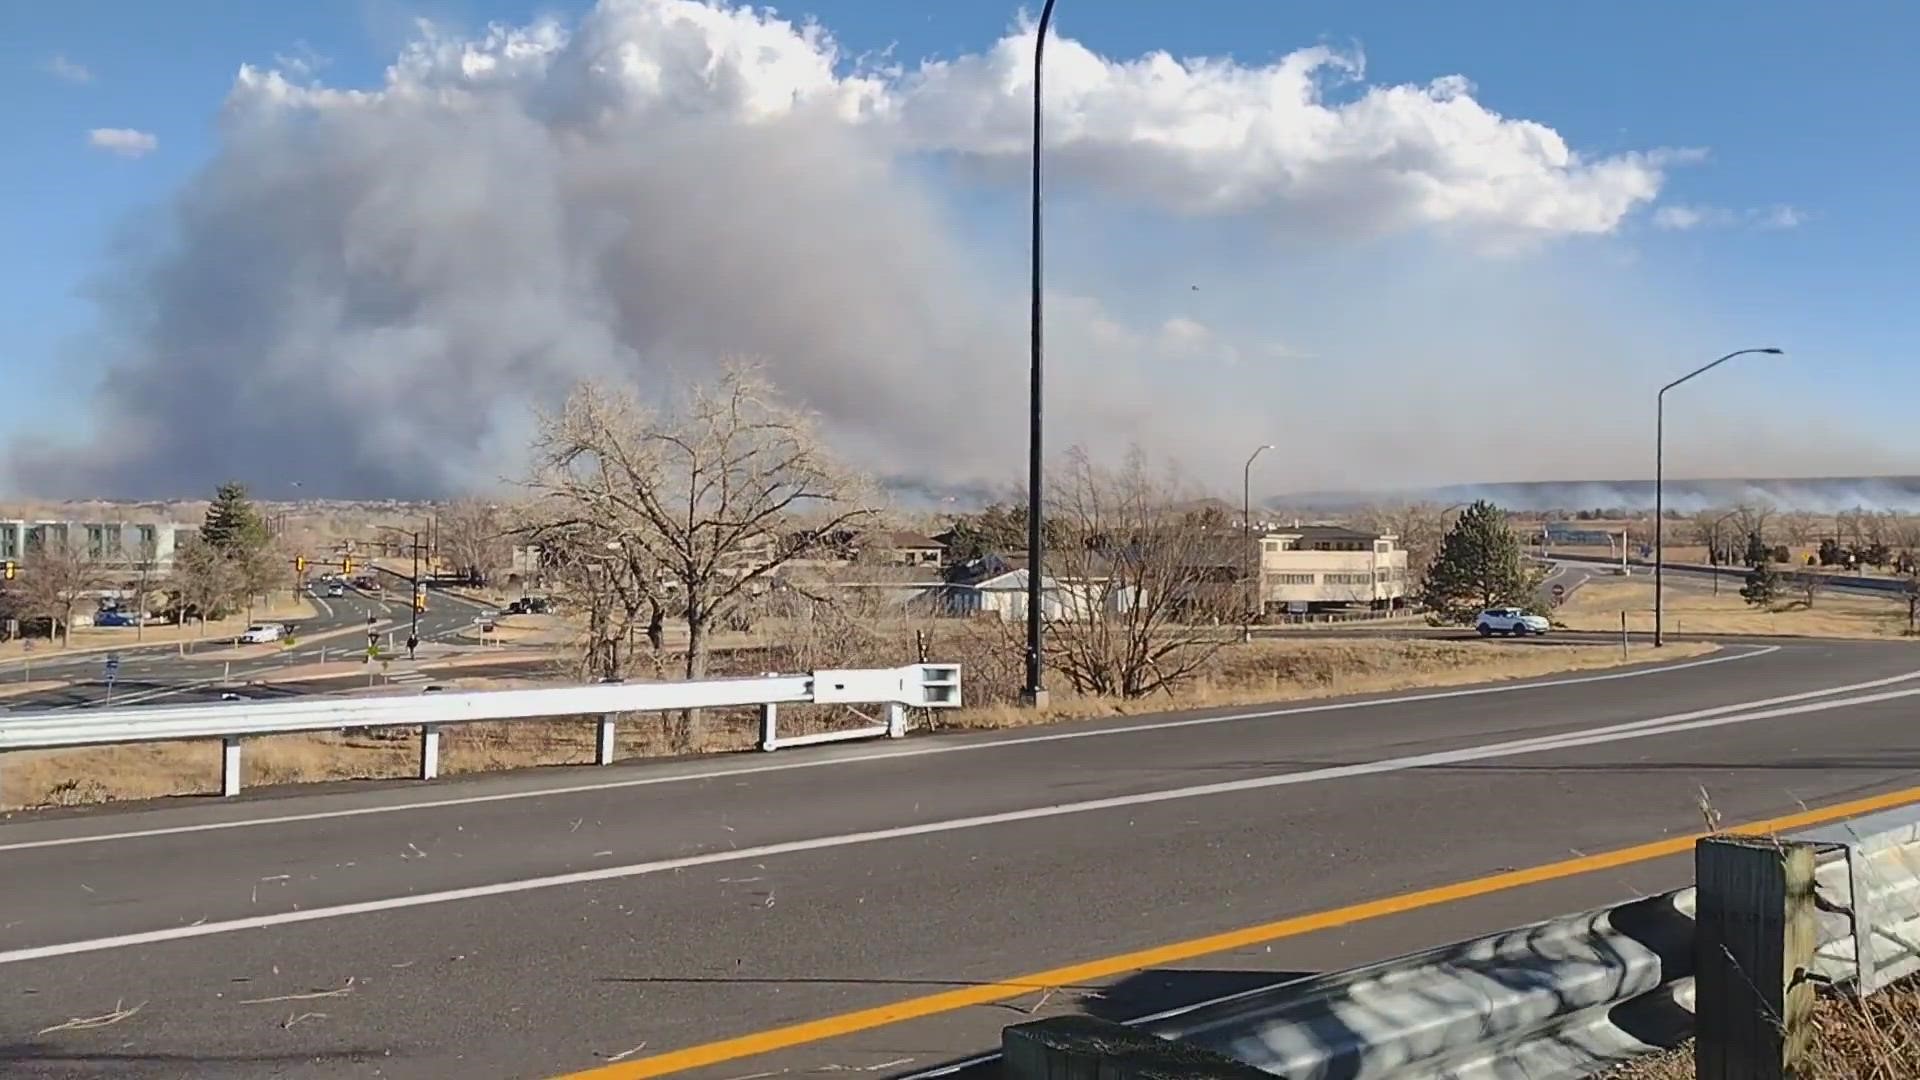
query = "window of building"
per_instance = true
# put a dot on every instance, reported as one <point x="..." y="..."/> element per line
<point x="1290" y="579"/>
<point x="9" y="541"/>
<point x="103" y="541"/>
<point x="148" y="539"/>
<point x="1383" y="546"/>
<point x="1349" y="579"/>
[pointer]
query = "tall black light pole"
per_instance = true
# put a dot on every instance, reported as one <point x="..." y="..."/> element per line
<point x="1035" y="693"/>
<point x="1659" y="484"/>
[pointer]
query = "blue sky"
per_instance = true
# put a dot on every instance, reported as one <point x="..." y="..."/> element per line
<point x="1799" y="227"/>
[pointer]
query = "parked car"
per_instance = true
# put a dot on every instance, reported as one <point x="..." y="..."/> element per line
<point x="1511" y="621"/>
<point x="115" y="618"/>
<point x="260" y="633"/>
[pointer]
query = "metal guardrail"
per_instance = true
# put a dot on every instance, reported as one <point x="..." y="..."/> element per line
<point x="924" y="686"/>
<point x="1561" y="999"/>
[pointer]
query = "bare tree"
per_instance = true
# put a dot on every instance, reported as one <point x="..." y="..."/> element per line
<point x="1809" y="585"/>
<point x="1420" y="528"/>
<point x="55" y="578"/>
<point x="475" y="539"/>
<point x="204" y="581"/>
<point x="1136" y="595"/>
<point x="1753" y="521"/>
<point x="613" y="584"/>
<point x="1799" y="527"/>
<point x="1851" y="525"/>
<point x="717" y="494"/>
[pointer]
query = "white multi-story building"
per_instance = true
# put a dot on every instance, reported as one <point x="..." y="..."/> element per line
<point x="132" y="544"/>
<point x="1312" y="567"/>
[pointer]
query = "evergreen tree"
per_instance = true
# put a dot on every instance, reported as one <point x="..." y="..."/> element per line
<point x="233" y="527"/>
<point x="1762" y="585"/>
<point x="1757" y="552"/>
<point x="1478" y="567"/>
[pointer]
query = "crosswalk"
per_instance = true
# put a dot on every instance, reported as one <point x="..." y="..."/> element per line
<point x="408" y="677"/>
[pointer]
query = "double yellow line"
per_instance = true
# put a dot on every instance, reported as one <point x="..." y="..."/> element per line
<point x="832" y="1027"/>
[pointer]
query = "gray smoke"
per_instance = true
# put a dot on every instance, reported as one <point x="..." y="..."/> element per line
<point x="368" y="292"/>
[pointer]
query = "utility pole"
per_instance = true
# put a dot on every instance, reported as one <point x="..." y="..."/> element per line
<point x="415" y="601"/>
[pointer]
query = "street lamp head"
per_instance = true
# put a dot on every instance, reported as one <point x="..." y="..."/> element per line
<point x="1774" y="352"/>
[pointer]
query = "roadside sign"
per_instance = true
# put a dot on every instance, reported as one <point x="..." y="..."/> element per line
<point x="113" y="665"/>
<point x="1559" y="591"/>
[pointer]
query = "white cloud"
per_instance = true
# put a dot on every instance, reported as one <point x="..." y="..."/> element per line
<point x="1680" y="218"/>
<point x="70" y="71"/>
<point x="125" y="142"/>
<point x="1205" y="136"/>
<point x="1198" y="136"/>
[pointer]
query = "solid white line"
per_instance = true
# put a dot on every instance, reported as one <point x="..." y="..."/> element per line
<point x="321" y="600"/>
<point x="1617" y="733"/>
<point x="909" y="751"/>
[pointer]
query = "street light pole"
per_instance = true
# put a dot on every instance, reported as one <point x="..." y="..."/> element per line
<point x="1035" y="693"/>
<point x="1246" y="527"/>
<point x="1659" y="485"/>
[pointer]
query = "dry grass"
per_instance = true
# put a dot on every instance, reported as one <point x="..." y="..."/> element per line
<point x="1597" y="606"/>
<point x="1263" y="671"/>
<point x="109" y="638"/>
<point x="1294" y="669"/>
<point x="1875" y="1038"/>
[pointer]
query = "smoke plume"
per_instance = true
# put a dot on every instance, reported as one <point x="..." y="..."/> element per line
<point x="367" y="289"/>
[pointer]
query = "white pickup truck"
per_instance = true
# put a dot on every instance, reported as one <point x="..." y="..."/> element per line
<point x="1512" y="621"/>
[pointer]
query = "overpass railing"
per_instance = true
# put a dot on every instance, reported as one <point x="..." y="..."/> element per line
<point x="916" y="686"/>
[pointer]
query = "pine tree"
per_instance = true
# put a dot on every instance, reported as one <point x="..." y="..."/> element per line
<point x="1478" y="567"/>
<point x="1762" y="585"/>
<point x="233" y="527"/>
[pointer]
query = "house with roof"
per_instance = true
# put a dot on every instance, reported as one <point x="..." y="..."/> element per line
<point x="995" y="586"/>
<point x="895" y="547"/>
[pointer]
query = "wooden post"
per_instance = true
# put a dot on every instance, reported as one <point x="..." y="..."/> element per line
<point x="1753" y="948"/>
<point x="1084" y="1048"/>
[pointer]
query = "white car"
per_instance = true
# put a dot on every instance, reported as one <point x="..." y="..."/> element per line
<point x="260" y="633"/>
<point x="1513" y="621"/>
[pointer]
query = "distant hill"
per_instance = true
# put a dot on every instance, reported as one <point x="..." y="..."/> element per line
<point x="1826" y="494"/>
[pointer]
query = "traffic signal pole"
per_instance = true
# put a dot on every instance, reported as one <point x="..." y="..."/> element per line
<point x="413" y="635"/>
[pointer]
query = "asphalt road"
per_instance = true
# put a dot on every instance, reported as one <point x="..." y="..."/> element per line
<point x="536" y="923"/>
<point x="160" y="675"/>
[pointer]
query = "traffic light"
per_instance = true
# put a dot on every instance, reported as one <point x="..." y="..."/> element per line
<point x="346" y="564"/>
<point x="11" y="570"/>
<point x="420" y="601"/>
<point x="299" y="564"/>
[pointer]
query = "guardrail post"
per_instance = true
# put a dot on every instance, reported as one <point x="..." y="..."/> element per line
<point x="603" y="740"/>
<point x="230" y="766"/>
<point x="769" y="722"/>
<point x="896" y="720"/>
<point x="1084" y="1048"/>
<point x="429" y="751"/>
<point x="1753" y="949"/>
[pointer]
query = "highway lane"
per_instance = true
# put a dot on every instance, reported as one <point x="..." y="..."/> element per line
<point x="1322" y="805"/>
